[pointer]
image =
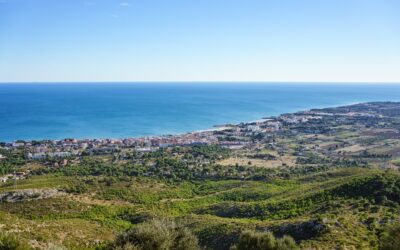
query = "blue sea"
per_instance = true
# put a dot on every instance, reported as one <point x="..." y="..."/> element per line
<point x="121" y="110"/>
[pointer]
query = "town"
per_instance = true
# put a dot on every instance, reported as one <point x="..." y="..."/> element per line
<point x="219" y="135"/>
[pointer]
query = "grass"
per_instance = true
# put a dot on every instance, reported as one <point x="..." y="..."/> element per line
<point x="396" y="161"/>
<point x="244" y="161"/>
<point x="72" y="233"/>
<point x="41" y="181"/>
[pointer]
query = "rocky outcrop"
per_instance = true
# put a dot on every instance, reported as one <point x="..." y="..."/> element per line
<point x="27" y="194"/>
<point x="301" y="231"/>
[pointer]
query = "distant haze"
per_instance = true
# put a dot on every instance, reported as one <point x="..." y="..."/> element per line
<point x="200" y="40"/>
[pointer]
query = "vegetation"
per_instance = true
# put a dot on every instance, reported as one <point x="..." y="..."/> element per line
<point x="157" y="235"/>
<point x="264" y="241"/>
<point x="10" y="242"/>
<point x="391" y="238"/>
<point x="12" y="160"/>
<point x="327" y="183"/>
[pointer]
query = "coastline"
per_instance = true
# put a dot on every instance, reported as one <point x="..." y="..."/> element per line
<point x="217" y="127"/>
<point x="93" y="111"/>
<point x="214" y="128"/>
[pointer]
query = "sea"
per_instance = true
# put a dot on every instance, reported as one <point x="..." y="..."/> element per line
<point x="37" y="111"/>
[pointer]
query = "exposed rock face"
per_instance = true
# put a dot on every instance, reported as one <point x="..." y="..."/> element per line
<point x="27" y="194"/>
<point x="301" y="231"/>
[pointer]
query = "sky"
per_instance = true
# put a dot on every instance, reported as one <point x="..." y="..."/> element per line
<point x="200" y="40"/>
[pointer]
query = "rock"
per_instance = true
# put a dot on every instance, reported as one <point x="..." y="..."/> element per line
<point x="27" y="194"/>
<point x="303" y="230"/>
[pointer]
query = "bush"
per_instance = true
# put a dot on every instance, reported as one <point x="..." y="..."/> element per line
<point x="9" y="242"/>
<point x="390" y="239"/>
<point x="264" y="241"/>
<point x="51" y="246"/>
<point x="127" y="246"/>
<point x="286" y="243"/>
<point x="157" y="235"/>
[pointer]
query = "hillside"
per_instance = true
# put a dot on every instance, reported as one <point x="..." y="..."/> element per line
<point x="328" y="178"/>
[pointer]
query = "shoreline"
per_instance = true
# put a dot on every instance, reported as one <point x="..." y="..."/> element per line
<point x="220" y="135"/>
<point x="59" y="112"/>
<point x="216" y="127"/>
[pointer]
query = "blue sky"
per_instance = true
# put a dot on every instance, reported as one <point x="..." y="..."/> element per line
<point x="200" y="40"/>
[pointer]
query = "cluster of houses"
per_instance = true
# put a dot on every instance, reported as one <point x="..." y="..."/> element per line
<point x="38" y="150"/>
<point x="14" y="176"/>
<point x="46" y="149"/>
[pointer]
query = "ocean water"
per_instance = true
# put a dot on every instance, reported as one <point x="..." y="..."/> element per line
<point x="121" y="110"/>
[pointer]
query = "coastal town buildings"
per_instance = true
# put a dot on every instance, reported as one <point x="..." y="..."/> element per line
<point x="228" y="136"/>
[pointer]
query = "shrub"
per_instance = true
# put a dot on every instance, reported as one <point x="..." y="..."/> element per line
<point x="286" y="243"/>
<point x="390" y="239"/>
<point x="264" y="241"/>
<point x="157" y="235"/>
<point x="51" y="246"/>
<point x="127" y="246"/>
<point x="9" y="242"/>
<point x="254" y="241"/>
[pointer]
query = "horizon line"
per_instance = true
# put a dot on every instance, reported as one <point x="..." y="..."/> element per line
<point x="201" y="82"/>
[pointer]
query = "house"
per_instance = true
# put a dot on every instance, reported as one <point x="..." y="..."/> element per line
<point x="146" y="149"/>
<point x="18" y="144"/>
<point x="5" y="178"/>
<point x="59" y="154"/>
<point x="19" y="175"/>
<point x="253" y="128"/>
<point x="37" y="156"/>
